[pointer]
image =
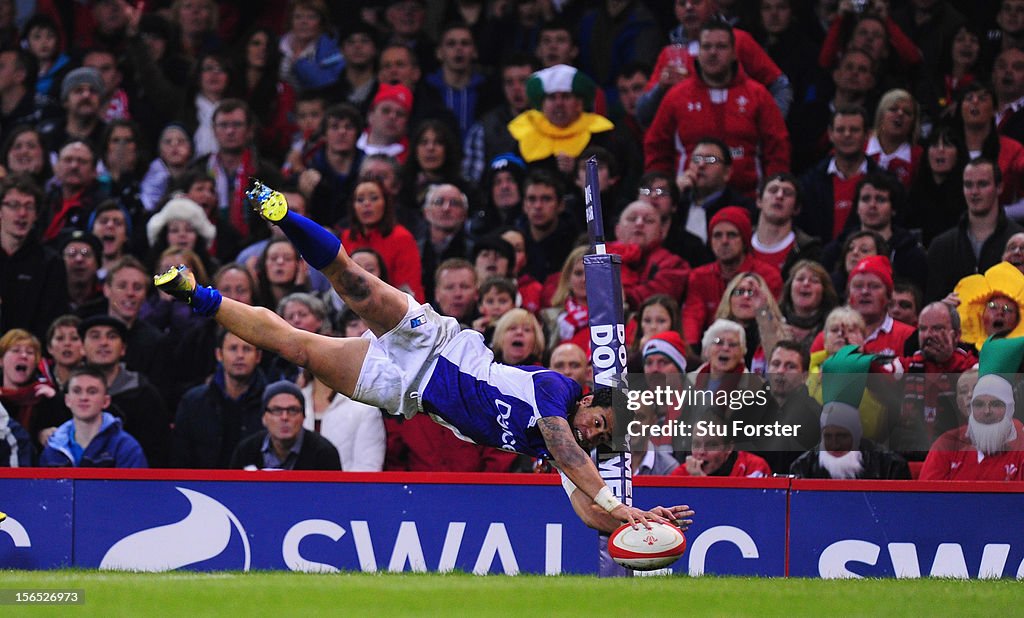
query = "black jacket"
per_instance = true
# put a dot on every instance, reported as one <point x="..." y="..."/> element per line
<point x="33" y="288"/>
<point x="317" y="453"/>
<point x="951" y="257"/>
<point x="878" y="464"/>
<point x="818" y="210"/>
<point x="209" y="424"/>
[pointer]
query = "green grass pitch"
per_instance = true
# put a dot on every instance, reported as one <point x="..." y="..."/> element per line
<point x="403" y="594"/>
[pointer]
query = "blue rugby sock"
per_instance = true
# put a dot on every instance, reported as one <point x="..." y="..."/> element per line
<point x="205" y="300"/>
<point x="318" y="246"/>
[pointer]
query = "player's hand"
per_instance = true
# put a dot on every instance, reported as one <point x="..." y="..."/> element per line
<point x="694" y="466"/>
<point x="679" y="515"/>
<point x="637" y="517"/>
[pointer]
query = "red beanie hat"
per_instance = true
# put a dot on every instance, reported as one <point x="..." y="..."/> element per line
<point x="396" y="93"/>
<point x="669" y="343"/>
<point x="877" y="265"/>
<point x="737" y="216"/>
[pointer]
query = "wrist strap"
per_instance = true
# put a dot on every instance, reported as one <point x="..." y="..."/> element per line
<point x="607" y="500"/>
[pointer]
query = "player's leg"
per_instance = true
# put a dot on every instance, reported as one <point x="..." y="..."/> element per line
<point x="336" y="361"/>
<point x="380" y="305"/>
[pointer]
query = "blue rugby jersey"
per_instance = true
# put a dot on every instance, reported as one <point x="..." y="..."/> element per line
<point x="493" y="404"/>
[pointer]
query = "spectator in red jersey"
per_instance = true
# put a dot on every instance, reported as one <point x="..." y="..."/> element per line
<point x="744" y="116"/>
<point x="991" y="446"/>
<point x="373" y="225"/>
<point x="729" y="232"/>
<point x="677" y="61"/>
<point x="829" y="187"/>
<point x="893" y="146"/>
<point x="714" y="454"/>
<point x="777" y="240"/>
<point x="648" y="267"/>
<point x="869" y="294"/>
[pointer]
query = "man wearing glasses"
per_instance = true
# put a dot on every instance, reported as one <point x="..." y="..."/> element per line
<point x="284" y="444"/>
<point x="33" y="285"/>
<point x="704" y="187"/>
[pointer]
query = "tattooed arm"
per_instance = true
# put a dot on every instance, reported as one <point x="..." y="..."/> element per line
<point x="575" y="464"/>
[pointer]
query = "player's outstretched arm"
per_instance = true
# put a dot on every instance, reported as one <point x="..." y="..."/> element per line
<point x="574" y="462"/>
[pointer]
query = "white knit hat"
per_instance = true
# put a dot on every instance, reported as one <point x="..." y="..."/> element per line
<point x="181" y="209"/>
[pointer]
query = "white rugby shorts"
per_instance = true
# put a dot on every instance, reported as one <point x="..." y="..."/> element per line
<point x="397" y="363"/>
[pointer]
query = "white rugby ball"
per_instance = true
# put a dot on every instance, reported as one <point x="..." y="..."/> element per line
<point x="645" y="550"/>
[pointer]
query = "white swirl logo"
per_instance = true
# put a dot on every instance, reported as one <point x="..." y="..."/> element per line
<point x="202" y="535"/>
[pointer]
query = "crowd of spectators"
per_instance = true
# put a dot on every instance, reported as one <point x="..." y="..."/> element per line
<point x="783" y="179"/>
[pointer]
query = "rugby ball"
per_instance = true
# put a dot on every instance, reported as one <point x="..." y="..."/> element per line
<point x="645" y="550"/>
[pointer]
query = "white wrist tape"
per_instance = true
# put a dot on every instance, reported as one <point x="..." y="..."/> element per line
<point x="606" y="500"/>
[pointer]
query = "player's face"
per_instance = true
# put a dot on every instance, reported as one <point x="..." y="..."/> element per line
<point x="592" y="426"/>
<point x="711" y="451"/>
<point x="87" y="397"/>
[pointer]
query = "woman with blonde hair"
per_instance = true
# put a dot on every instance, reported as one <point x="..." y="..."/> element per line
<point x="159" y="308"/>
<point x="568" y="313"/>
<point x="518" y="339"/>
<point x="749" y="302"/>
<point x="893" y="144"/>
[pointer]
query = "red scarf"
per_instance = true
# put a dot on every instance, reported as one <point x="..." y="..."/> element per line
<point x="729" y="381"/>
<point x="576" y="315"/>
<point x="19" y="401"/>
<point x="57" y="223"/>
<point x="235" y="210"/>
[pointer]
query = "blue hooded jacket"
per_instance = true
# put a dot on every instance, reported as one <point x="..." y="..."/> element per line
<point x="111" y="448"/>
